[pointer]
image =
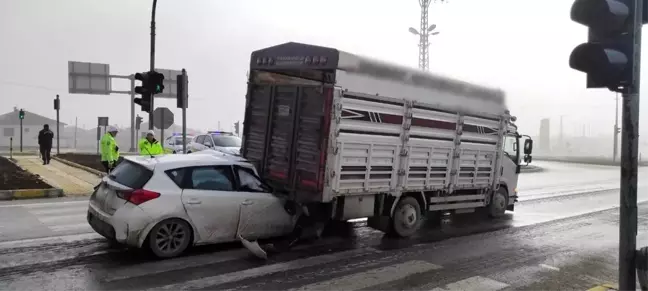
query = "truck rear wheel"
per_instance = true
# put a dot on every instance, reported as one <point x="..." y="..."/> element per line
<point x="407" y="217"/>
<point x="498" y="203"/>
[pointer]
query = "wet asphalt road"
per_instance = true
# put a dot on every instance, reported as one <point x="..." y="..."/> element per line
<point x="560" y="237"/>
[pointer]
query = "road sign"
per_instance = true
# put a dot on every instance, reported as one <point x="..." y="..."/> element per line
<point x="162" y="118"/>
<point x="89" y="78"/>
<point x="102" y="121"/>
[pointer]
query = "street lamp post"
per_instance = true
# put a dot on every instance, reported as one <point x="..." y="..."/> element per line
<point x="424" y="33"/>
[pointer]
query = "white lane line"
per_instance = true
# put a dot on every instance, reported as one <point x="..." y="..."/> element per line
<point x="372" y="277"/>
<point x="474" y="283"/>
<point x="45" y="204"/>
<point x="151" y="268"/>
<point x="59" y="218"/>
<point x="66" y="227"/>
<point x="48" y="240"/>
<point x="549" y="267"/>
<point x="265" y="270"/>
<point x="575" y="214"/>
<point x="17" y="263"/>
<point x="77" y="209"/>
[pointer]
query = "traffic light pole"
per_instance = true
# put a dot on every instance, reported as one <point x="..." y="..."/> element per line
<point x="152" y="62"/>
<point x="21" y="134"/>
<point x="629" y="159"/>
<point x="58" y="122"/>
<point x="615" y="148"/>
<point x="133" y="135"/>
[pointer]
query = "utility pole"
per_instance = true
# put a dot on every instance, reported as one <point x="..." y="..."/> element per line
<point x="21" y="116"/>
<point x="76" y="128"/>
<point x="562" y="142"/>
<point x="615" y="147"/>
<point x="152" y="61"/>
<point x="424" y="33"/>
<point x="57" y="107"/>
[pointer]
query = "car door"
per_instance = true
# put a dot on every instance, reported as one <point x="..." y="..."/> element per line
<point x="263" y="214"/>
<point x="212" y="203"/>
<point x="208" y="143"/>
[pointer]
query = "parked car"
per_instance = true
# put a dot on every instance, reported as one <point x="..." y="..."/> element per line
<point x="221" y="141"/>
<point x="171" y="202"/>
<point x="173" y="144"/>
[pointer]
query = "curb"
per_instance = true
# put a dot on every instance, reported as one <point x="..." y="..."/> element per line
<point x="82" y="167"/>
<point x="30" y="194"/>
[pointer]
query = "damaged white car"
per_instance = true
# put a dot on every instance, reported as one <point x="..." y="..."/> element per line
<point x="171" y="202"/>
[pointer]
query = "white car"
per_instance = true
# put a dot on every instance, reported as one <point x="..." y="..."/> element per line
<point x="221" y="141"/>
<point x="171" y="202"/>
<point x="173" y="144"/>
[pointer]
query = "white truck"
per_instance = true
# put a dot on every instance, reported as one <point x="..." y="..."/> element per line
<point x="352" y="137"/>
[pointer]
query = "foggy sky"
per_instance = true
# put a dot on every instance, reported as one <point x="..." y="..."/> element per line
<point x="521" y="46"/>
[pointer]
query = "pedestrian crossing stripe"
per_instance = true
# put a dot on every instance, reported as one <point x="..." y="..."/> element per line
<point x="373" y="277"/>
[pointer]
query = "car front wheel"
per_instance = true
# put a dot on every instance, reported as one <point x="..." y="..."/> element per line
<point x="170" y="238"/>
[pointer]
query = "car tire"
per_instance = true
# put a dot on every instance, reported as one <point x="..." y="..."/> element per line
<point x="170" y="238"/>
<point x="498" y="203"/>
<point x="407" y="218"/>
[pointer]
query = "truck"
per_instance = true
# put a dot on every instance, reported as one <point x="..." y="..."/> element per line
<point x="353" y="137"/>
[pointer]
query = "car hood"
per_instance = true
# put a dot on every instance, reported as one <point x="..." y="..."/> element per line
<point x="229" y="150"/>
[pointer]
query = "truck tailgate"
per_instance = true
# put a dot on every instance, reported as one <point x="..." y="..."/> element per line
<point x="285" y="136"/>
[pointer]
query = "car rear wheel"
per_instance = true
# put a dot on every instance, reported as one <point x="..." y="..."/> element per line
<point x="170" y="238"/>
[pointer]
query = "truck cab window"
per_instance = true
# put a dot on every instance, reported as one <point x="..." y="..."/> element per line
<point x="511" y="148"/>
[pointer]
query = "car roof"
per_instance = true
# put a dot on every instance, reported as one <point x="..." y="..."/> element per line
<point x="167" y="162"/>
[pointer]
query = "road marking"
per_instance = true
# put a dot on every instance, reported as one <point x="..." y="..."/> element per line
<point x="45" y="204"/>
<point x="151" y="268"/>
<point x="550" y="267"/>
<point x="372" y="277"/>
<point x="48" y="240"/>
<point x="11" y="264"/>
<point x="474" y="283"/>
<point x="58" y="218"/>
<point x="65" y="227"/>
<point x="575" y="214"/>
<point x="208" y="282"/>
<point x="76" y="209"/>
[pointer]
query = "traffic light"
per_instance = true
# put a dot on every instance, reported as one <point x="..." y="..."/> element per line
<point x="145" y="101"/>
<point x="182" y="91"/>
<point x="237" y="127"/>
<point x="138" y="122"/>
<point x="152" y="83"/>
<point x="607" y="56"/>
<point x="21" y="114"/>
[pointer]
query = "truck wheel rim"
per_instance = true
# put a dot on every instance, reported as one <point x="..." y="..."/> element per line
<point x="499" y="202"/>
<point x="408" y="217"/>
<point x="170" y="237"/>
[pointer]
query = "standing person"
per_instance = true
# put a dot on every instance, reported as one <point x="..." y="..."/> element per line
<point x="149" y="146"/>
<point x="45" y="137"/>
<point x="109" y="149"/>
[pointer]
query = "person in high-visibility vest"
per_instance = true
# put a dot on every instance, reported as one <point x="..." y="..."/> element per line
<point x="149" y="146"/>
<point x="109" y="149"/>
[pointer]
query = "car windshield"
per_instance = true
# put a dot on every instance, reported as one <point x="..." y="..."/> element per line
<point x="226" y="140"/>
<point x="178" y="140"/>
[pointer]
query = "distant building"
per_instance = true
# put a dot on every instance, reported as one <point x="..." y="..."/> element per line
<point x="544" y="140"/>
<point x="32" y="124"/>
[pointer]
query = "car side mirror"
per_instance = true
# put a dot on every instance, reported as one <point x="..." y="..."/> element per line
<point x="528" y="159"/>
<point x="528" y="146"/>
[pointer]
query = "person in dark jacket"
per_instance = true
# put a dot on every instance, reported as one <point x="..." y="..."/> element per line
<point x="45" y="137"/>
